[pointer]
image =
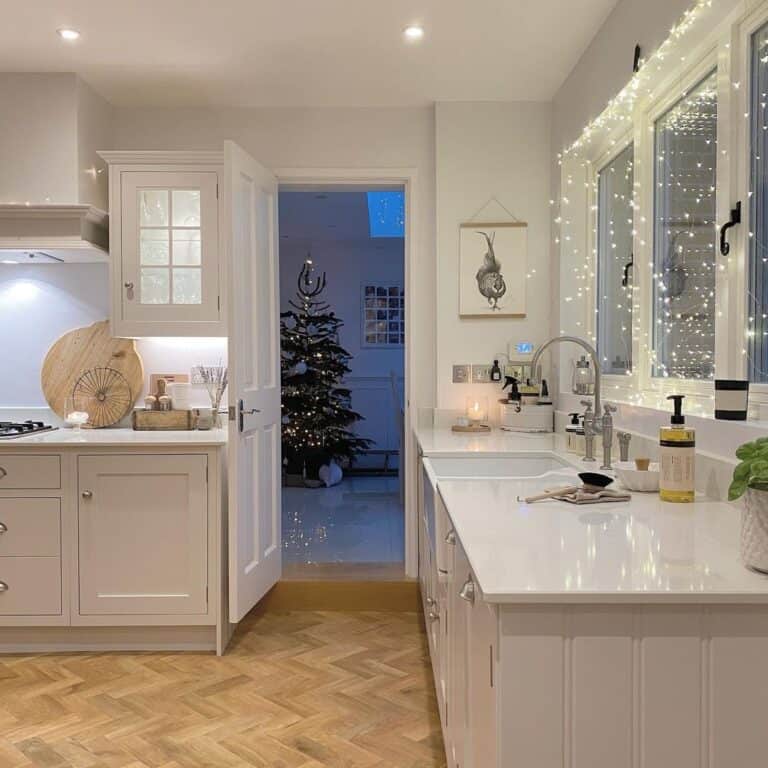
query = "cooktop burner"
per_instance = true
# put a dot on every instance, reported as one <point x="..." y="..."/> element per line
<point x="11" y="429"/>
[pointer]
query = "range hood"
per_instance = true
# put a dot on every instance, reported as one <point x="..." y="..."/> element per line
<point x="53" y="234"/>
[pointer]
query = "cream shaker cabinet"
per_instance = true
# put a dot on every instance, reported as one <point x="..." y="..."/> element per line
<point x="165" y="244"/>
<point x="142" y="534"/>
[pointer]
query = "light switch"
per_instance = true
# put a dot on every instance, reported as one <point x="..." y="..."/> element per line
<point x="481" y="374"/>
<point x="461" y="374"/>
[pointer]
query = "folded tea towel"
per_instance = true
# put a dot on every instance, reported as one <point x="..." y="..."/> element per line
<point x="582" y="496"/>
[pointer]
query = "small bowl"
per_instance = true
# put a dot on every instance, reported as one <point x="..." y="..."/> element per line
<point x="633" y="479"/>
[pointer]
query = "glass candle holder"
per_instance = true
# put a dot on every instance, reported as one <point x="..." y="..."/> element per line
<point x="477" y="409"/>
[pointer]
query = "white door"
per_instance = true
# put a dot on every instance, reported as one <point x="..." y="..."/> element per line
<point x="254" y="362"/>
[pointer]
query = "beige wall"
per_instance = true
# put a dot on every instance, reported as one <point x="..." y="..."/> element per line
<point x="486" y="150"/>
<point x="321" y="138"/>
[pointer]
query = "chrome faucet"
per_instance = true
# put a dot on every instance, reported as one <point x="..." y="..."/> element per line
<point x="595" y="422"/>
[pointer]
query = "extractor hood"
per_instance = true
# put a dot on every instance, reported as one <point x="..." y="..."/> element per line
<point x="52" y="234"/>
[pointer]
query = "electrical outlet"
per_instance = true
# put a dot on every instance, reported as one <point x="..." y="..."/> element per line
<point x="481" y="374"/>
<point x="461" y="374"/>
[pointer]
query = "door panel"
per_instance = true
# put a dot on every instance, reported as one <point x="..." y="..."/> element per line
<point x="255" y="556"/>
<point x="142" y="534"/>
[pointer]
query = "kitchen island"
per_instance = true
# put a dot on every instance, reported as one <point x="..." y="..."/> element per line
<point x="113" y="539"/>
<point x="616" y="634"/>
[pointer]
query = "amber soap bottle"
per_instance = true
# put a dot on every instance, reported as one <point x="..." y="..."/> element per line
<point x="677" y="454"/>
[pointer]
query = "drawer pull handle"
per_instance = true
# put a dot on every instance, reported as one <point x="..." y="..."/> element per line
<point x="3" y="586"/>
<point x="467" y="592"/>
<point x="3" y="472"/>
<point x="87" y="494"/>
<point x="450" y="537"/>
<point x="3" y="528"/>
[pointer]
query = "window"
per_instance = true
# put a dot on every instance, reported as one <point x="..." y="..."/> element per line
<point x="684" y="255"/>
<point x="614" y="263"/>
<point x="169" y="246"/>
<point x="386" y="213"/>
<point x="383" y="315"/>
<point x="757" y="298"/>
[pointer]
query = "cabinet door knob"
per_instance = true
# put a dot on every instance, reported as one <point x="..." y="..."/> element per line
<point x="128" y="286"/>
<point x="431" y="601"/>
<point x="87" y="494"/>
<point x="432" y="616"/>
<point x="3" y="586"/>
<point x="3" y="528"/>
<point x="450" y="537"/>
<point x="467" y="592"/>
<point x="3" y="472"/>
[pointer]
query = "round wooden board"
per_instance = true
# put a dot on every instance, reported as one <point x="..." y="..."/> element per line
<point x="81" y="350"/>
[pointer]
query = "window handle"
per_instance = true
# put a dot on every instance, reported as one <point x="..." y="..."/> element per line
<point x="725" y="246"/>
<point x="627" y="267"/>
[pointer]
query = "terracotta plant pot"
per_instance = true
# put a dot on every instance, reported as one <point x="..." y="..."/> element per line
<point x="754" y="530"/>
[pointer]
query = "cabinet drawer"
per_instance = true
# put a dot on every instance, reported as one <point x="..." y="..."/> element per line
<point x="30" y="527"/>
<point x="30" y="586"/>
<point x="18" y="471"/>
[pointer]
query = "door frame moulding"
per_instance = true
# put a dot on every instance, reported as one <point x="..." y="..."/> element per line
<point x="408" y="180"/>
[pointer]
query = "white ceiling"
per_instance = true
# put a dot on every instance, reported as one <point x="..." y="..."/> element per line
<point x="304" y="52"/>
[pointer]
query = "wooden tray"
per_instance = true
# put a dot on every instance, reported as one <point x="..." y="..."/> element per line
<point x="476" y="429"/>
<point x="146" y="421"/>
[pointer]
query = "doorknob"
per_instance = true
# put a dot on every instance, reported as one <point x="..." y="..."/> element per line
<point x="87" y="494"/>
<point x="3" y="586"/>
<point x="3" y="528"/>
<point x="467" y="592"/>
<point x="243" y="412"/>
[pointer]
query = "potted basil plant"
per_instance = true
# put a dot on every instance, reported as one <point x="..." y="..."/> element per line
<point x="750" y="479"/>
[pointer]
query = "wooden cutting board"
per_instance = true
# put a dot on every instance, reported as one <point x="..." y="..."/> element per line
<point x="81" y="350"/>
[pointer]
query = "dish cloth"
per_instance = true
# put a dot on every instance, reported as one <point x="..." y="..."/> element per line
<point x="594" y="497"/>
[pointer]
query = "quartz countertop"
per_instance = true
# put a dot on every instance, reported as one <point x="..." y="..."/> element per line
<point x="442" y="441"/>
<point x="67" y="438"/>
<point x="642" y="551"/>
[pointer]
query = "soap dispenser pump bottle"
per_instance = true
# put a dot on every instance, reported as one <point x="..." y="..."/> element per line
<point x="677" y="452"/>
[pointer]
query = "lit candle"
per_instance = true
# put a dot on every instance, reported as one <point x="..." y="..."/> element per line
<point x="477" y="409"/>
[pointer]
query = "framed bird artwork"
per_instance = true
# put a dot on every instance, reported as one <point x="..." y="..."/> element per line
<point x="493" y="263"/>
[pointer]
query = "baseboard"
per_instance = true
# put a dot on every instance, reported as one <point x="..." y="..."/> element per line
<point x="344" y="595"/>
<point x="20" y="640"/>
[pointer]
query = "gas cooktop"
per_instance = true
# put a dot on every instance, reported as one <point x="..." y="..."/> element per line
<point x="11" y="429"/>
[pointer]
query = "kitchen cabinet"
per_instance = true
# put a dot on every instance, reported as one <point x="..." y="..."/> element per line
<point x="165" y="232"/>
<point x="142" y="534"/>
<point x="114" y="544"/>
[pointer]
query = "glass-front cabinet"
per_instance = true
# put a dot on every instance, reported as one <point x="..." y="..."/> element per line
<point x="164" y="247"/>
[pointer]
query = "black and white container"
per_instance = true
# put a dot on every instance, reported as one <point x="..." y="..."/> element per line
<point x="731" y="398"/>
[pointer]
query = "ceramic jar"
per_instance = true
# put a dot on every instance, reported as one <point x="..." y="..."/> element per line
<point x="754" y="530"/>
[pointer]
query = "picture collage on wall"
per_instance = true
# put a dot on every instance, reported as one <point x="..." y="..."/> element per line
<point x="383" y="315"/>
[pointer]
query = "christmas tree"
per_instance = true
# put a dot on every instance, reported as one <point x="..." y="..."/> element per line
<point x="316" y="407"/>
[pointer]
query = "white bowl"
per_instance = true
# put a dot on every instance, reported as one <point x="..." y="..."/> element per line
<point x="634" y="479"/>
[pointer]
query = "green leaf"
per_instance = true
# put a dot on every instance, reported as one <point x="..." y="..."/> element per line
<point x="742" y="470"/>
<point x="746" y="452"/>
<point x="737" y="489"/>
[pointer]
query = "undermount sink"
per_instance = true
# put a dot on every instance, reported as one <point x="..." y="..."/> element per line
<point x="523" y="465"/>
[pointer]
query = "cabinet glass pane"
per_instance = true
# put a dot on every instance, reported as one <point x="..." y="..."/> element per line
<point x="153" y="246"/>
<point x="757" y="331"/>
<point x="187" y="286"/>
<point x="155" y="285"/>
<point x="614" y="263"/>
<point x="186" y="247"/>
<point x="153" y="207"/>
<point x="685" y="236"/>
<point x="186" y="207"/>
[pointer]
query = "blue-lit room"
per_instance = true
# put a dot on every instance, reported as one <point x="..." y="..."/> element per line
<point x="342" y="297"/>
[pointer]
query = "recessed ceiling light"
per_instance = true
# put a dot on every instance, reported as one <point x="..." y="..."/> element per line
<point x="413" y="33"/>
<point x="68" y="34"/>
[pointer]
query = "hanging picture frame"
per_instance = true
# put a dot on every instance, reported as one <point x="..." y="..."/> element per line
<point x="493" y="263"/>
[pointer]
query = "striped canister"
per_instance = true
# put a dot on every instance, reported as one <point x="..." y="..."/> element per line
<point x="731" y="397"/>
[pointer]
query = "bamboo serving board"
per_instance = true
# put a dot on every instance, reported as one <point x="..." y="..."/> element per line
<point x="81" y="350"/>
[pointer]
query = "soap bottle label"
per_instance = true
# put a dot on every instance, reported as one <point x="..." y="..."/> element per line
<point x="677" y="468"/>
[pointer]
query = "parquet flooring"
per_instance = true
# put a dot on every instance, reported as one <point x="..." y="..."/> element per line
<point x="295" y="690"/>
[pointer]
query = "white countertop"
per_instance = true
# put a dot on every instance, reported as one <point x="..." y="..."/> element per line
<point x="642" y="551"/>
<point x="441" y="441"/>
<point x="67" y="438"/>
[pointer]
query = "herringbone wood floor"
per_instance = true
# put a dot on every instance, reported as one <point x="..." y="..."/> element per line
<point x="296" y="689"/>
